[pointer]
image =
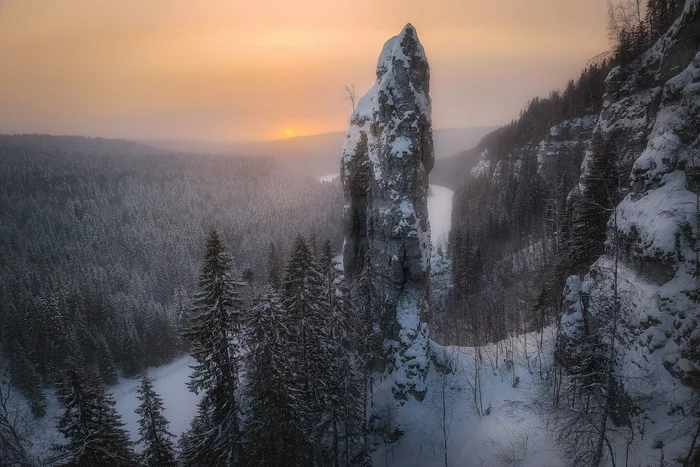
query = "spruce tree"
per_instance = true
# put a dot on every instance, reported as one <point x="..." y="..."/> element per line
<point x="338" y="346"/>
<point x="304" y="299"/>
<point x="345" y="376"/>
<point x="214" y="336"/>
<point x="153" y="428"/>
<point x="91" y="425"/>
<point x="274" y="428"/>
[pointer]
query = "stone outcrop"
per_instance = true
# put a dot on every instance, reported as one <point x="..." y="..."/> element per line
<point x="652" y="113"/>
<point x="386" y="159"/>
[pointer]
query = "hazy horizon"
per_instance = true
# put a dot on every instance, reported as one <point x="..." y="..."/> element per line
<point x="236" y="72"/>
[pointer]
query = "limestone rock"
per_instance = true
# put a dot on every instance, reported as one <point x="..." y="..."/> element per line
<point x="386" y="159"/>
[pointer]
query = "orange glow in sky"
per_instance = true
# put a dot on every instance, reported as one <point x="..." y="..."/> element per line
<point x="242" y="70"/>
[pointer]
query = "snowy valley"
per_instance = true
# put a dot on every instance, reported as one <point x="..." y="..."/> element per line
<point x="531" y="301"/>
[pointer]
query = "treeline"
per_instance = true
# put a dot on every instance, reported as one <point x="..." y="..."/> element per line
<point x="99" y="247"/>
<point x="300" y="344"/>
<point x="634" y="26"/>
<point x="580" y="97"/>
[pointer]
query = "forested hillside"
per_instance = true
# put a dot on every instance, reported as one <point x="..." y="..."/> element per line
<point x="101" y="244"/>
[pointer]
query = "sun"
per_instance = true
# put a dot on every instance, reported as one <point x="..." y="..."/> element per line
<point x="288" y="133"/>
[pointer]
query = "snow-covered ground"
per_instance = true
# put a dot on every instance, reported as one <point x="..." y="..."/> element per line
<point x="170" y="382"/>
<point x="439" y="210"/>
<point x="509" y="430"/>
<point x="512" y="433"/>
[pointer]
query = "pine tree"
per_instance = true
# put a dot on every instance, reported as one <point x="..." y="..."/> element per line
<point x="214" y="335"/>
<point x="90" y="424"/>
<point x="274" y="428"/>
<point x="153" y="428"/>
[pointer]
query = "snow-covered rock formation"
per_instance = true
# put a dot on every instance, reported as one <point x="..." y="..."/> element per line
<point x="386" y="159"/>
<point x="650" y="265"/>
<point x="564" y="143"/>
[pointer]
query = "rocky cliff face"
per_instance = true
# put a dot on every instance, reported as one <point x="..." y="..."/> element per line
<point x="386" y="159"/>
<point x="652" y="113"/>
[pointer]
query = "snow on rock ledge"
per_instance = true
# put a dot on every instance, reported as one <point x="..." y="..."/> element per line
<point x="386" y="159"/>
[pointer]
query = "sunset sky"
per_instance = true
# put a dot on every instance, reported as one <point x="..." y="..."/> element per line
<point x="235" y="70"/>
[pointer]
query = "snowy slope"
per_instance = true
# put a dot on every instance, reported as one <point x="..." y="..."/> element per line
<point x="509" y="432"/>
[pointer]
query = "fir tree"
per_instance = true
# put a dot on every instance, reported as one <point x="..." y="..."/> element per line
<point x="274" y="428"/>
<point x="91" y="425"/>
<point x="308" y="312"/>
<point x="153" y="428"/>
<point x="214" y="335"/>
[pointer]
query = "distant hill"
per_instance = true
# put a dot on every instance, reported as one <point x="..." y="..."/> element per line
<point x="318" y="154"/>
<point x="312" y="156"/>
<point x="81" y="144"/>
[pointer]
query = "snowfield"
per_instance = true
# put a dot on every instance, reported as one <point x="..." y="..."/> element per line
<point x="506" y="429"/>
<point x="170" y="382"/>
<point x="439" y="210"/>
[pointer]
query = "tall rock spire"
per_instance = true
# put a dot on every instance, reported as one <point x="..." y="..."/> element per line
<point x="386" y="159"/>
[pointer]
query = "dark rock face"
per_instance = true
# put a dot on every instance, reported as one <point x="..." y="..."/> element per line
<point x="386" y="159"/>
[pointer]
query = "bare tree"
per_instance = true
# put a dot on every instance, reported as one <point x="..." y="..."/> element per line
<point x="351" y="96"/>
<point x="442" y="402"/>
<point x="624" y="15"/>
<point x="13" y="426"/>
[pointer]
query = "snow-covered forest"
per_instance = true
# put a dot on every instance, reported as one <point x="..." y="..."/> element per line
<point x="531" y="301"/>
